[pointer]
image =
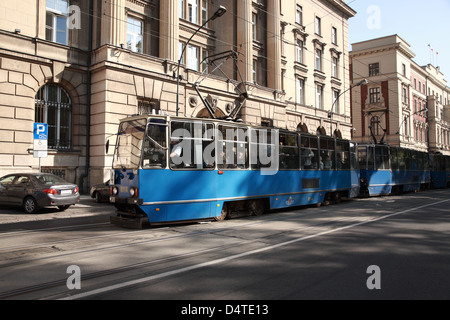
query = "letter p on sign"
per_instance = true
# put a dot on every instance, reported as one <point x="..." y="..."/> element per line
<point x="40" y="131"/>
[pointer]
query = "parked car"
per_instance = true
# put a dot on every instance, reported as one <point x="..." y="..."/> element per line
<point x="101" y="192"/>
<point x="35" y="191"/>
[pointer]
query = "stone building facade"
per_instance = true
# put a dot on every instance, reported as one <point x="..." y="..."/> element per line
<point x="81" y="66"/>
<point x="403" y="104"/>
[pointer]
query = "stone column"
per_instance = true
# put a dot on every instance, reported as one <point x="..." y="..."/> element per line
<point x="273" y="45"/>
<point x="245" y="39"/>
<point x="169" y="30"/>
<point x="114" y="23"/>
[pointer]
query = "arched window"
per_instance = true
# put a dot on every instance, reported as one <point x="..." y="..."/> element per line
<point x="375" y="124"/>
<point x="321" y="131"/>
<point x="54" y="107"/>
<point x="302" y="128"/>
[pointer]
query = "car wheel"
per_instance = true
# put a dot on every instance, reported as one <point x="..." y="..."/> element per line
<point x="30" y="205"/>
<point x="98" y="197"/>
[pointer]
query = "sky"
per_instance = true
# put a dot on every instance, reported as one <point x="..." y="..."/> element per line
<point x="420" y="23"/>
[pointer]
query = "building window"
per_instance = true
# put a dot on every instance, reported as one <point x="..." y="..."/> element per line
<point x="56" y="26"/>
<point x="193" y="11"/>
<point x="193" y="57"/>
<point x="334" y="63"/>
<point x="374" y="69"/>
<point x="375" y="125"/>
<point x="180" y="50"/>
<point x="148" y="106"/>
<point x="54" y="107"/>
<point x="299" y="48"/>
<point x="182" y="9"/>
<point x="266" y="122"/>
<point x="135" y="39"/>
<point x="318" y="59"/>
<point x="299" y="15"/>
<point x="254" y="20"/>
<point x="406" y="126"/>
<point x="374" y="95"/>
<point x="336" y="108"/>
<point x="254" y="71"/>
<point x="319" y="96"/>
<point x="204" y="11"/>
<point x="333" y="35"/>
<point x="301" y="91"/>
<point x="318" y="26"/>
<point x="204" y="61"/>
<point x="405" y="95"/>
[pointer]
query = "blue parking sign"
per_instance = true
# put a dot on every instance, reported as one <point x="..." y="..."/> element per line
<point x="40" y="131"/>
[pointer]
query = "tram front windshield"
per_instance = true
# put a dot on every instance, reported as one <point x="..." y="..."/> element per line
<point x="129" y="144"/>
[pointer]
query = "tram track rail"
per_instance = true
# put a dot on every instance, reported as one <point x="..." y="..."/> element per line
<point x="46" y="286"/>
<point x="64" y="253"/>
<point x="319" y="225"/>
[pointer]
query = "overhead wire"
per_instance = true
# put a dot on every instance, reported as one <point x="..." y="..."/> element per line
<point x="346" y="69"/>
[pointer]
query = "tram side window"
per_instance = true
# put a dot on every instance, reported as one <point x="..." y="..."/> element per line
<point x="407" y="157"/>
<point x="232" y="148"/>
<point x="382" y="158"/>
<point x="327" y="154"/>
<point x="426" y="161"/>
<point x="155" y="145"/>
<point x="343" y="155"/>
<point x="394" y="159"/>
<point x="289" y="157"/>
<point x="442" y="163"/>
<point x="263" y="149"/>
<point x="189" y="142"/>
<point x="415" y="165"/>
<point x="370" y="158"/>
<point x="362" y="156"/>
<point x="420" y="161"/>
<point x="401" y="159"/>
<point x="309" y="153"/>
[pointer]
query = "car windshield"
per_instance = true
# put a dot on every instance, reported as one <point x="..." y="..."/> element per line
<point x="129" y="144"/>
<point x="49" y="179"/>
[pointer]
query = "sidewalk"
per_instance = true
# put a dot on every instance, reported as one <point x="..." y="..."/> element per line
<point x="86" y="207"/>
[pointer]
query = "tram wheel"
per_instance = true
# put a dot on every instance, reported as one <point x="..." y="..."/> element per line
<point x="256" y="207"/>
<point x="224" y="214"/>
<point x="337" y="198"/>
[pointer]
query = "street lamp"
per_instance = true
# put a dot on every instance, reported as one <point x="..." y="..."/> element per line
<point x="330" y="114"/>
<point x="220" y="12"/>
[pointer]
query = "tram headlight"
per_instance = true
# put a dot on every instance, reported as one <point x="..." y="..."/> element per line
<point x="114" y="191"/>
<point x="133" y="192"/>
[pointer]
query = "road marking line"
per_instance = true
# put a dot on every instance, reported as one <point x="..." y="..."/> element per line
<point x="237" y="256"/>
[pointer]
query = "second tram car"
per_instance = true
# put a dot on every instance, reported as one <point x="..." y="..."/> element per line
<point x="386" y="170"/>
<point x="171" y="169"/>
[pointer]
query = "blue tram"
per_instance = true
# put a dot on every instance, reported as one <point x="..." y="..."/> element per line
<point x="386" y="170"/>
<point x="171" y="169"/>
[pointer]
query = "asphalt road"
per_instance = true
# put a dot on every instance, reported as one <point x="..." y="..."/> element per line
<point x="409" y="245"/>
<point x="377" y="248"/>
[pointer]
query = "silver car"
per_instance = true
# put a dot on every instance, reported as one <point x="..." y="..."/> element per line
<point x="101" y="192"/>
<point x="38" y="190"/>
